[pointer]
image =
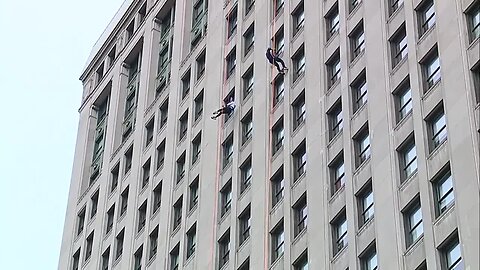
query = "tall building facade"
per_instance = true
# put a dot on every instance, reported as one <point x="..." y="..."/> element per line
<point x="364" y="155"/>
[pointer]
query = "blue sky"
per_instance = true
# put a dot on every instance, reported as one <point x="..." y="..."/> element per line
<point x="43" y="48"/>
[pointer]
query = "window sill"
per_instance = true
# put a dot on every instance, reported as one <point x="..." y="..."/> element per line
<point x="299" y="179"/>
<point x="424" y="35"/>
<point x="298" y="78"/>
<point x="366" y="225"/>
<point x="120" y="218"/>
<point x="158" y="170"/>
<point x="411" y="248"/>
<point x="334" y="138"/>
<point x="299" y="235"/>
<point x="226" y="167"/>
<point x="162" y="128"/>
<point x="245" y="191"/>
<point x="243" y="244"/>
<point x="401" y="122"/>
<point x="175" y="230"/>
<point x="331" y="38"/>
<point x="192" y="210"/>
<point x="107" y="234"/>
<point x="150" y="260"/>
<point x="298" y="127"/>
<point x="276" y="206"/>
<point x="339" y="254"/>
<point x="361" y="166"/>
<point x="356" y="58"/>
<point x="354" y="10"/>
<point x="445" y="214"/>
<point x="140" y="232"/>
<point x="393" y="14"/>
<point x="277" y="153"/>
<point x="189" y="259"/>
<point x="277" y="104"/>
<point x="154" y="214"/>
<point x="407" y="181"/>
<point x="276" y="261"/>
<point x="473" y="43"/>
<point x="333" y="86"/>
<point x="337" y="193"/>
<point x="359" y="110"/>
<point x="398" y="65"/>
<point x="116" y="261"/>
<point x="247" y="97"/>
<point x="437" y="149"/>
<point x="297" y="34"/>
<point x="245" y="143"/>
<point x="224" y="216"/>
<point x="431" y="89"/>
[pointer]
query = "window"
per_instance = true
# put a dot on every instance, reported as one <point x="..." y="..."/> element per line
<point x="145" y="173"/>
<point x="200" y="65"/>
<point x="149" y="132"/>
<point x="339" y="231"/>
<point x="279" y="41"/>
<point x="394" y="5"/>
<point x="174" y="254"/>
<point x="301" y="263"/>
<point x="354" y="4"/>
<point x="137" y="258"/>
<point x="278" y="6"/>
<point x="128" y="159"/>
<point x="110" y="218"/>
<point x="94" y="204"/>
<point x="123" y="202"/>
<point x="332" y="21"/>
<point x="224" y="249"/>
<point x="278" y="90"/>
<point x="443" y="189"/>
<point x="278" y="187"/>
<point x="142" y="216"/>
<point x="111" y="57"/>
<point x="298" y="19"/>
<point x="153" y="239"/>
<point x="337" y="172"/>
<point x="299" y="161"/>
<point x="157" y="198"/>
<point x="88" y="247"/>
<point x="426" y="16"/>
<point x="196" y="148"/>
<point x="277" y="241"/>
<point x="114" y="175"/>
<point x="365" y="201"/>
<point x="398" y="45"/>
<point x="180" y="167"/>
<point x="438" y="128"/>
<point x="119" y="244"/>
<point x="232" y="22"/>
<point x="299" y="111"/>
<point x="177" y="214"/>
<point x="191" y="240"/>
<point x="362" y="144"/>
<point x="359" y="91"/>
<point x="129" y="30"/>
<point x="231" y="61"/>
<point x="299" y="63"/>
<point x="248" y="82"/>
<point x="249" y="39"/>
<point x="99" y="74"/>
<point x="76" y="260"/>
<point x="246" y="174"/>
<point x="300" y="214"/>
<point x="163" y="114"/>
<point x="335" y="119"/>
<point x="198" y="106"/>
<point x="247" y="127"/>
<point x="230" y="96"/>
<point x="227" y="151"/>
<point x="357" y="41"/>
<point x="193" y="194"/>
<point x="277" y="136"/>
<point x="431" y="69"/>
<point x="476" y="81"/>
<point x="408" y="159"/>
<point x="160" y="154"/>
<point x="369" y="259"/>
<point x="403" y="100"/>
<point x="226" y="199"/>
<point x="80" y="221"/>
<point x="413" y="223"/>
<point x="452" y="255"/>
<point x="473" y="17"/>
<point x="245" y="265"/>
<point x="183" y="125"/>
<point x="249" y="5"/>
<point x="185" y="85"/>
<point x="244" y="221"/>
<point x="105" y="259"/>
<point x="333" y="69"/>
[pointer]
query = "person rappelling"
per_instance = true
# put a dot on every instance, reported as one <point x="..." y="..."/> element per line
<point x="227" y="109"/>
<point x="275" y="60"/>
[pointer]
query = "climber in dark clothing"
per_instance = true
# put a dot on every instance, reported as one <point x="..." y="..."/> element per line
<point x="227" y="109"/>
<point x="274" y="59"/>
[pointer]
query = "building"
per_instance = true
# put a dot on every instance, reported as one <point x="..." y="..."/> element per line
<point x="374" y="129"/>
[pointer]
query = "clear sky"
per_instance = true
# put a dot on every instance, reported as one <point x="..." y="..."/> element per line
<point x="43" y="48"/>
